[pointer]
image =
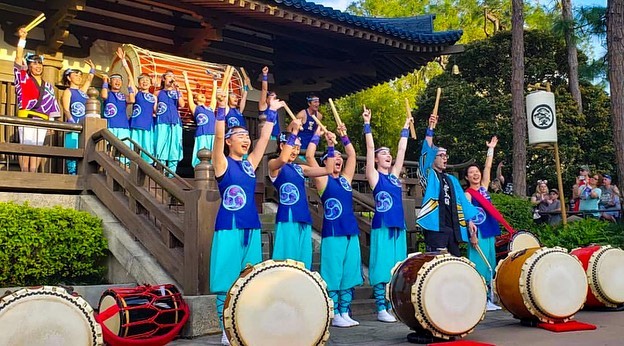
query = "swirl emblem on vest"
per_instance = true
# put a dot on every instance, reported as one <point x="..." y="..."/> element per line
<point x="110" y="110"/>
<point x="161" y="108"/>
<point x="383" y="201"/>
<point x="289" y="194"/>
<point x="394" y="180"/>
<point x="77" y="109"/>
<point x="234" y="198"/>
<point x="345" y="184"/>
<point x="480" y="217"/>
<point x="298" y="169"/>
<point x="248" y="168"/>
<point x="333" y="209"/>
<point x="136" y="110"/>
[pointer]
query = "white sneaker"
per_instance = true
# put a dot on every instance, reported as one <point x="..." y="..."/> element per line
<point x="340" y="322"/>
<point x="346" y="317"/>
<point x="491" y="306"/>
<point x="224" y="339"/>
<point x="385" y="316"/>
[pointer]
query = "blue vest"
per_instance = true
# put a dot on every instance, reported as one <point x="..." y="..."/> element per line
<point x="115" y="110"/>
<point x="167" y="108"/>
<point x="290" y="185"/>
<point x="488" y="226"/>
<point x="309" y="128"/>
<point x="235" y="118"/>
<point x="143" y="111"/>
<point x="77" y="104"/>
<point x="388" y="202"/>
<point x="205" y="120"/>
<point x="337" y="198"/>
<point x="237" y="187"/>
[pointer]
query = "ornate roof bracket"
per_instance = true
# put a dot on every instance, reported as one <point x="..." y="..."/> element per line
<point x="57" y="26"/>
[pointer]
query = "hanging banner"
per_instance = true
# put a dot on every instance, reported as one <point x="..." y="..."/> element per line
<point x="541" y="118"/>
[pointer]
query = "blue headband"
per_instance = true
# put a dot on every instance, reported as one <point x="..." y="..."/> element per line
<point x="381" y="149"/>
<point x="236" y="131"/>
<point x="70" y="71"/>
<point x="116" y="75"/>
<point x="30" y="57"/>
<point x="310" y="99"/>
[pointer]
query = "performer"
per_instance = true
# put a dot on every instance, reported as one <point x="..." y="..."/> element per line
<point x="236" y="241"/>
<point x="265" y="97"/>
<point x="33" y="94"/>
<point x="204" y="117"/>
<point x="388" y="240"/>
<point x="293" y="229"/>
<point x="168" y="129"/>
<point x="340" y="246"/>
<point x="74" y="101"/>
<point x="234" y="115"/>
<point x="486" y="220"/>
<point x="143" y="114"/>
<point x="445" y="210"/>
<point x="115" y="101"/>
<point x="309" y="124"/>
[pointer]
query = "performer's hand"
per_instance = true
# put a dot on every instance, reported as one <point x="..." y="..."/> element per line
<point x="330" y="137"/>
<point x="120" y="53"/>
<point x="492" y="143"/>
<point x="366" y="115"/>
<point x="22" y="33"/>
<point x="408" y="120"/>
<point x="474" y="241"/>
<point x="433" y="121"/>
<point x="276" y="104"/>
<point x="294" y="126"/>
<point x="221" y="99"/>
<point x="342" y="129"/>
<point x="265" y="70"/>
<point x="90" y="63"/>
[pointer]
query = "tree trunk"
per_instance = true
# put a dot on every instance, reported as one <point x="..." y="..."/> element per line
<point x="615" y="54"/>
<point x="517" y="98"/>
<point x="570" y="39"/>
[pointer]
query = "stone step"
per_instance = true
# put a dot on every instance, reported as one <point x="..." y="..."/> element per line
<point x="361" y="307"/>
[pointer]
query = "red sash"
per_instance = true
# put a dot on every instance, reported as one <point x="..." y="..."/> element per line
<point x="490" y="209"/>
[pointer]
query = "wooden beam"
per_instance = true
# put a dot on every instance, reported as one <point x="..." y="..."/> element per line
<point x="344" y="70"/>
<point x="57" y="26"/>
<point x="197" y="39"/>
<point x="40" y="181"/>
<point x="41" y="151"/>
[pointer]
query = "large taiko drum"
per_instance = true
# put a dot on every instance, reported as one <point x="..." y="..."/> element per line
<point x="155" y="64"/>
<point x="47" y="315"/>
<point x="604" y="266"/>
<point x="506" y="243"/>
<point x="152" y="313"/>
<point x="278" y="303"/>
<point x="438" y="293"/>
<point x="547" y="284"/>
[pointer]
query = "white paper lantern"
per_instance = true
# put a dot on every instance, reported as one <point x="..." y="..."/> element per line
<point x="541" y="118"/>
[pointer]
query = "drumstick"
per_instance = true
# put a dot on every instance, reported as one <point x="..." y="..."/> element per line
<point x="35" y="22"/>
<point x="487" y="263"/>
<point x="336" y="116"/>
<point x="246" y="78"/>
<point x="409" y="115"/>
<point x="292" y="115"/>
<point x="437" y="103"/>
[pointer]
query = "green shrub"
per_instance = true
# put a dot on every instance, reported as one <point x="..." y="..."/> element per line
<point x="583" y="232"/>
<point x="50" y="246"/>
<point x="516" y="210"/>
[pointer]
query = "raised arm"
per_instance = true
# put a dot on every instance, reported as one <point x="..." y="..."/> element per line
<point x="277" y="163"/>
<point x="131" y="87"/>
<point x="104" y="93"/>
<point x="243" y="101"/>
<point x="262" y="104"/>
<point x="402" y="147"/>
<point x="87" y="83"/>
<point x="65" y="101"/>
<point x="314" y="172"/>
<point x="499" y="174"/>
<point x="321" y="181"/>
<point x="371" y="173"/>
<point x="349" y="168"/>
<point x="265" y="134"/>
<point x="219" y="161"/>
<point x="189" y="92"/>
<point x="433" y="121"/>
<point x="485" y="180"/>
<point x="21" y="45"/>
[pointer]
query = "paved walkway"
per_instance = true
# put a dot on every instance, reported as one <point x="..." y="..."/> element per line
<point x="498" y="328"/>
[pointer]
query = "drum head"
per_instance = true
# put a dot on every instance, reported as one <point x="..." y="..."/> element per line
<point x="453" y="296"/>
<point x="278" y="303"/>
<point x="556" y="282"/>
<point x="608" y="274"/>
<point x="523" y="240"/>
<point x="47" y="316"/>
<point x="113" y="323"/>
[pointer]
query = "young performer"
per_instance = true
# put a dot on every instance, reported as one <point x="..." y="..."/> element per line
<point x="340" y="247"/>
<point x="74" y="100"/>
<point x="445" y="211"/>
<point x="486" y="221"/>
<point x="204" y="117"/>
<point x="33" y="94"/>
<point x="236" y="241"/>
<point x="293" y="231"/>
<point x="115" y="101"/>
<point x="143" y="114"/>
<point x="388" y="240"/>
<point x="168" y="129"/>
<point x="265" y="97"/>
<point x="309" y="124"/>
<point x="234" y="115"/>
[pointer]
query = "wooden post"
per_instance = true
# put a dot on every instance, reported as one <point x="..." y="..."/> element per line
<point x="89" y="127"/>
<point x="208" y="201"/>
<point x="564" y="216"/>
<point x="93" y="104"/>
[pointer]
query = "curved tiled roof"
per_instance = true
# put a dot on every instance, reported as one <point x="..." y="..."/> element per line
<point x="418" y="29"/>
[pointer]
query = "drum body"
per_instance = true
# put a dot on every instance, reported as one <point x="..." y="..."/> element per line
<point x="278" y="303"/>
<point x="440" y="293"/>
<point x="142" y="312"/>
<point x="547" y="284"/>
<point x="156" y="64"/>
<point x="604" y="267"/>
<point x="47" y="315"/>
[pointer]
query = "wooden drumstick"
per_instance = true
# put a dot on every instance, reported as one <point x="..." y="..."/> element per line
<point x="437" y="103"/>
<point x="246" y="78"/>
<point x="336" y="116"/>
<point x="323" y="128"/>
<point x="291" y="114"/>
<point x="35" y="22"/>
<point x="409" y="115"/>
<point x="487" y="263"/>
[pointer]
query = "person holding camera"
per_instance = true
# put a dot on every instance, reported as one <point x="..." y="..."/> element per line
<point x="589" y="195"/>
<point x="540" y="200"/>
